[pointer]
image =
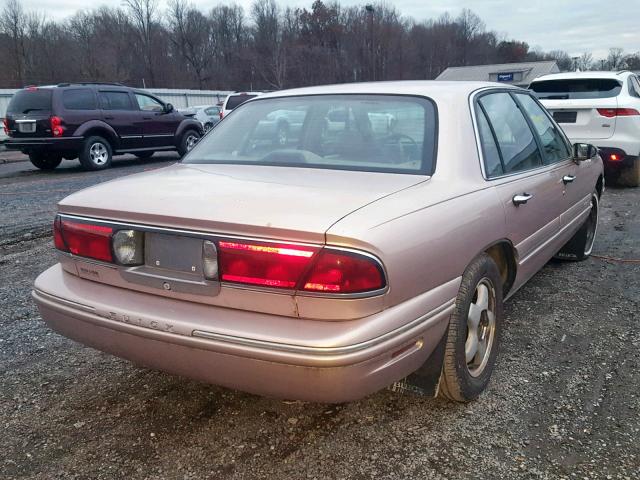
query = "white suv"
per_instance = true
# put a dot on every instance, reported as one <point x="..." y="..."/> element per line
<point x="235" y="99"/>
<point x="601" y="108"/>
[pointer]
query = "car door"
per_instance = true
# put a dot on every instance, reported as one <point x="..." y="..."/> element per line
<point x="118" y="111"/>
<point x="557" y="151"/>
<point x="158" y="126"/>
<point x="530" y="191"/>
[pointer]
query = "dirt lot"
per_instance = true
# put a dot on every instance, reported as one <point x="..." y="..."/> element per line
<point x="563" y="403"/>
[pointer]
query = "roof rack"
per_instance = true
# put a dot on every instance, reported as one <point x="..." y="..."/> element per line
<point x="67" y="84"/>
<point x="623" y="71"/>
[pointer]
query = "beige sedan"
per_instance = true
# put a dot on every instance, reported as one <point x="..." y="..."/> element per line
<point x="355" y="255"/>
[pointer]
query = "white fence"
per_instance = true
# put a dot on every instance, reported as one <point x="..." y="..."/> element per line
<point x="179" y="98"/>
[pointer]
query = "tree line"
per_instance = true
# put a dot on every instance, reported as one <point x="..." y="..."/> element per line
<point x="268" y="47"/>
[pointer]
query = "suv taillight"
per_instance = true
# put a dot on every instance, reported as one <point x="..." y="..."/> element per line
<point x="5" y="126"/>
<point x="618" y="112"/>
<point x="56" y="126"/>
<point x="83" y="239"/>
<point x="221" y="114"/>
<point x="307" y="268"/>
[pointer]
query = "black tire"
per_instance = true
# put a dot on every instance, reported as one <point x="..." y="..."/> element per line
<point x="95" y="154"/>
<point x="282" y="134"/>
<point x="581" y="244"/>
<point x="185" y="145"/>
<point x="45" y="161"/>
<point x="144" y="155"/>
<point x="463" y="381"/>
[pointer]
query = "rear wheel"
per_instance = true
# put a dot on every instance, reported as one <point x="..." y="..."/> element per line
<point x="144" y="155"/>
<point x="581" y="244"/>
<point x="45" y="161"/>
<point x="474" y="332"/>
<point x="188" y="141"/>
<point x="96" y="154"/>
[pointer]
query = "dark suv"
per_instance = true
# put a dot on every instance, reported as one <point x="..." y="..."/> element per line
<point x="93" y="122"/>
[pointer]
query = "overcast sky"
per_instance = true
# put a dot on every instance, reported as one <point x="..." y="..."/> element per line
<point x="576" y="26"/>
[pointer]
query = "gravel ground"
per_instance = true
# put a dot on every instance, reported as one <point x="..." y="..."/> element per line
<point x="564" y="401"/>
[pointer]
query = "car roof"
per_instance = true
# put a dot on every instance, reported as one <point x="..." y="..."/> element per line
<point x="428" y="88"/>
<point x="590" y="74"/>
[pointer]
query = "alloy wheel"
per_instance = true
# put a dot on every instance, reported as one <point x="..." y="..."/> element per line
<point x="98" y="153"/>
<point x="481" y="327"/>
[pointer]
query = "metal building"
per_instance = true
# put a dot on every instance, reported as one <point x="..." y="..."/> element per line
<point x="519" y="74"/>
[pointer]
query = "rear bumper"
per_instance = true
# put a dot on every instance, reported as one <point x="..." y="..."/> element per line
<point x="616" y="159"/>
<point x="26" y="144"/>
<point x="155" y="338"/>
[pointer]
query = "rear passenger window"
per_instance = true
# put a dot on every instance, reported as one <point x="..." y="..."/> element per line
<point x="490" y="153"/>
<point x="516" y="142"/>
<point x="555" y="149"/>
<point x="79" y="99"/>
<point x="115" y="101"/>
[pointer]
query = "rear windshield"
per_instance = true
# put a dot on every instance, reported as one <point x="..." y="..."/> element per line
<point x="377" y="133"/>
<point x="576" y="88"/>
<point x="235" y="100"/>
<point x="27" y="101"/>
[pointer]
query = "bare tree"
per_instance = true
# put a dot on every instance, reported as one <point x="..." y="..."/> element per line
<point x="191" y="35"/>
<point x="144" y="14"/>
<point x="584" y="61"/>
<point x="13" y="23"/>
<point x="615" y="59"/>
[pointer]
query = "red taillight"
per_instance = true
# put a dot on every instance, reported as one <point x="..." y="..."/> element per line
<point x="58" y="240"/>
<point x="344" y="272"/>
<point x="56" y="126"/>
<point x="221" y="114"/>
<point x="83" y="239"/>
<point x="298" y="267"/>
<point x="269" y="265"/>
<point x="5" y="126"/>
<point x="618" y="112"/>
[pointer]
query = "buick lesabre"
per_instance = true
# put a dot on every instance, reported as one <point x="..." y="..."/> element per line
<point x="324" y="266"/>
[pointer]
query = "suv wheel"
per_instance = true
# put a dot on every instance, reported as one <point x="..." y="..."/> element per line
<point x="45" y="161"/>
<point x="96" y="154"/>
<point x="188" y="141"/>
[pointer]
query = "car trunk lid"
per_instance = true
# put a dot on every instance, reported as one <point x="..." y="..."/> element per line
<point x="292" y="204"/>
<point x="577" y="104"/>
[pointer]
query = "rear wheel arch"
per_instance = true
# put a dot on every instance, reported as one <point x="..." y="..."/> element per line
<point x="504" y="256"/>
<point x="105" y="133"/>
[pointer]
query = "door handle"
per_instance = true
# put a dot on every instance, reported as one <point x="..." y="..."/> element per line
<point x="568" y="179"/>
<point x="146" y="118"/>
<point x="521" y="198"/>
<point x="108" y="118"/>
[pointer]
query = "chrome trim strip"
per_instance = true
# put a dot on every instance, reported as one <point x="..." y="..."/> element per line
<point x="207" y="236"/>
<point x="64" y="301"/>
<point x="130" y="136"/>
<point x="159" y="135"/>
<point x="283" y="347"/>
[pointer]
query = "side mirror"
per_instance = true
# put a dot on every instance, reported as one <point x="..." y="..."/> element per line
<point x="168" y="108"/>
<point x="584" y="151"/>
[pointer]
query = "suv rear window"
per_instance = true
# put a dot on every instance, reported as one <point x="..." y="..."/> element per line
<point x="30" y="100"/>
<point x="79" y="99"/>
<point x="235" y="100"/>
<point x="576" y="88"/>
<point x="374" y="133"/>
